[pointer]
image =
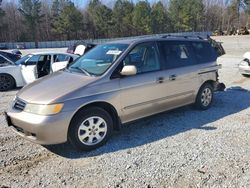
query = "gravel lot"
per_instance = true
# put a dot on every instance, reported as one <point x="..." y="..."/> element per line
<point x="181" y="148"/>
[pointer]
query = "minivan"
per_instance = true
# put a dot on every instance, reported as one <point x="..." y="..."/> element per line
<point x="115" y="83"/>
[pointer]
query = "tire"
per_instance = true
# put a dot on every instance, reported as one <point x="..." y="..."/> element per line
<point x="90" y="128"/>
<point x="7" y="82"/>
<point x="204" y="98"/>
<point x="246" y="75"/>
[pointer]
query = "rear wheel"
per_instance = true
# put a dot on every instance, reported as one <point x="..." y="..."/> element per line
<point x="90" y="128"/>
<point x="7" y="82"/>
<point x="204" y="97"/>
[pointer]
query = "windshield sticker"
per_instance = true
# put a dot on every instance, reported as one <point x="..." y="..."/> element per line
<point x="114" y="52"/>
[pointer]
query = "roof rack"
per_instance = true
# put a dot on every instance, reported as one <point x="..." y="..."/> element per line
<point x="186" y="36"/>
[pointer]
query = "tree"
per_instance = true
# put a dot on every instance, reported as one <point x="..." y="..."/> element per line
<point x="214" y="18"/>
<point x="31" y="11"/>
<point x="122" y="18"/>
<point x="2" y="13"/>
<point x="187" y="15"/>
<point x="69" y="22"/>
<point x="142" y="18"/>
<point x="160" y="20"/>
<point x="56" y="9"/>
<point x="58" y="5"/>
<point x="236" y="7"/>
<point x="45" y="31"/>
<point x="102" y="18"/>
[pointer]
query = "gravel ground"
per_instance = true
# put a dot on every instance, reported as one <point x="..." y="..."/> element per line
<point x="181" y="148"/>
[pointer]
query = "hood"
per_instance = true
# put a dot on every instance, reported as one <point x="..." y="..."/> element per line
<point x="51" y="88"/>
<point x="6" y="64"/>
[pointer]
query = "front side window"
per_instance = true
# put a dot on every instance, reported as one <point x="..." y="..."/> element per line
<point x="23" y="60"/>
<point x="99" y="59"/>
<point x="144" y="57"/>
<point x="176" y="54"/>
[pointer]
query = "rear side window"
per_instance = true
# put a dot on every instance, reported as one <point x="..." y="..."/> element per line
<point x="204" y="52"/>
<point x="176" y="54"/>
<point x="61" y="57"/>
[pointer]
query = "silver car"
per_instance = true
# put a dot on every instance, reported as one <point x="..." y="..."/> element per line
<point x="115" y="83"/>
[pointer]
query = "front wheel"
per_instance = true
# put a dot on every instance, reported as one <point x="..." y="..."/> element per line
<point x="7" y="82"/>
<point x="90" y="128"/>
<point x="204" y="97"/>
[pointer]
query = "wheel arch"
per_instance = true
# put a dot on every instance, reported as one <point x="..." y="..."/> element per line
<point x="3" y="73"/>
<point x="211" y="82"/>
<point x="107" y="107"/>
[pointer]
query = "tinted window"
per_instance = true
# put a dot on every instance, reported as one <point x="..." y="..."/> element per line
<point x="144" y="57"/>
<point x="203" y="52"/>
<point x="176" y="54"/>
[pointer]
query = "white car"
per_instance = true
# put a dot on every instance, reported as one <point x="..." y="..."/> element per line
<point x="244" y="66"/>
<point x="32" y="67"/>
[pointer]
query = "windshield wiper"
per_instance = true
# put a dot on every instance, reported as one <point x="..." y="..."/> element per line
<point x="82" y="70"/>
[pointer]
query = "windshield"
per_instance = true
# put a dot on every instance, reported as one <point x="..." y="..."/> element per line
<point x="99" y="59"/>
<point x="23" y="60"/>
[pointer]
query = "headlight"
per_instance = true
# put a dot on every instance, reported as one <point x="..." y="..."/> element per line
<point x="244" y="63"/>
<point x="43" y="109"/>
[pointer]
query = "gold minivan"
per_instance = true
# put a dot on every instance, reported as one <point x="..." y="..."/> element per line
<point x="115" y="83"/>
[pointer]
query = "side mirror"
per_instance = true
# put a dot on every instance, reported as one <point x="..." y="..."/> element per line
<point x="129" y="70"/>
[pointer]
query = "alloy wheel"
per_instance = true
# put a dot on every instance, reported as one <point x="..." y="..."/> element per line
<point x="206" y="97"/>
<point x="92" y="130"/>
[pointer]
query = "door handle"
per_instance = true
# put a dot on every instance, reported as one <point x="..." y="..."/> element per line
<point x="172" y="77"/>
<point x="160" y="80"/>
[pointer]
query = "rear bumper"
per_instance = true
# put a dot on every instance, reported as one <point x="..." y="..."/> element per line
<point x="219" y="86"/>
<point x="44" y="130"/>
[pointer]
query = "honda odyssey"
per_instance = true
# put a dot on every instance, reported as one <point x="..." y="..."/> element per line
<point x="112" y="84"/>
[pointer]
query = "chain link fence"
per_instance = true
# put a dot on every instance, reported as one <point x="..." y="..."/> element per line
<point x="63" y="44"/>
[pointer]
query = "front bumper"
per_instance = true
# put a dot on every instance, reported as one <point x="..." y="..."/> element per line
<point x="44" y="130"/>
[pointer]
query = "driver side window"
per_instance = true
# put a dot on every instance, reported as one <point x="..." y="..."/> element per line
<point x="144" y="57"/>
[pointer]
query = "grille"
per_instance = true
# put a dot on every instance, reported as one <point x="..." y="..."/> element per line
<point x="19" y="105"/>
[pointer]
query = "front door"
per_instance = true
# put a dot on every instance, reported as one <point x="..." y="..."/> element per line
<point x="139" y="93"/>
